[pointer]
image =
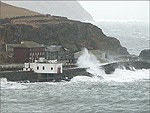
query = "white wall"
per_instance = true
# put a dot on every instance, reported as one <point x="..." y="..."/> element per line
<point x="47" y="67"/>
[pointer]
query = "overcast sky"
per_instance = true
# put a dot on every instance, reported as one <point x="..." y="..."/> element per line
<point x="136" y="10"/>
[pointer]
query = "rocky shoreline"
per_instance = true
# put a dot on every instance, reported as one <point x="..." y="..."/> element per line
<point x="130" y="65"/>
<point x="68" y="74"/>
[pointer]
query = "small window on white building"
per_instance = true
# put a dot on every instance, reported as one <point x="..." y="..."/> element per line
<point x="51" y="68"/>
<point x="37" y="67"/>
<point x="43" y="67"/>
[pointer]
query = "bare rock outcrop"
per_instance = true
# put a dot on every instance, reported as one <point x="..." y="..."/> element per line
<point x="145" y="54"/>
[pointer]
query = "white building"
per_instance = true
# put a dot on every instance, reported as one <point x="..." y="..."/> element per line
<point x="51" y="68"/>
<point x="44" y="66"/>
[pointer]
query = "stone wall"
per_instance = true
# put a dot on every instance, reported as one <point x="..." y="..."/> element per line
<point x="67" y="75"/>
<point x="19" y="76"/>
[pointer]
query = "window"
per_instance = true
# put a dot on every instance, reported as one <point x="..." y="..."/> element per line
<point x="37" y="67"/>
<point x="43" y="67"/>
<point x="51" y="68"/>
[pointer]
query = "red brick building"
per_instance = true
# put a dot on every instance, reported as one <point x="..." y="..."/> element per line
<point x="28" y="51"/>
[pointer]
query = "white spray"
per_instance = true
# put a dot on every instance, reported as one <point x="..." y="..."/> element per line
<point x="4" y="84"/>
<point x="89" y="61"/>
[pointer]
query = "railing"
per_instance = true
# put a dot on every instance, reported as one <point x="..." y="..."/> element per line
<point x="69" y="64"/>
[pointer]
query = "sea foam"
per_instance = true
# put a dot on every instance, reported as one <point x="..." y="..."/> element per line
<point x="89" y="61"/>
<point x="4" y="84"/>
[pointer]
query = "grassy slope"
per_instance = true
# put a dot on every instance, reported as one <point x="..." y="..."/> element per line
<point x="8" y="11"/>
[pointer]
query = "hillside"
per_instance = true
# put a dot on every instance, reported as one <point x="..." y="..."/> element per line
<point x="8" y="11"/>
<point x="70" y="9"/>
<point x="74" y="35"/>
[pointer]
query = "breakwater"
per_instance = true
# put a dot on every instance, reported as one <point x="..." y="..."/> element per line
<point x="24" y="76"/>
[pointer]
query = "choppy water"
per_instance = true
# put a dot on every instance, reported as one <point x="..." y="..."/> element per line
<point x="134" y="35"/>
<point x="124" y="91"/>
<point x="80" y="95"/>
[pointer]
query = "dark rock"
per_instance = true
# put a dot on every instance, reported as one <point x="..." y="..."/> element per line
<point x="130" y="65"/>
<point x="140" y="64"/>
<point x="110" y="68"/>
<point x="145" y="54"/>
<point x="70" y="73"/>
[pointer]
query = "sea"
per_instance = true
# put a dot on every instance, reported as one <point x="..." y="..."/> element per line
<point x="124" y="91"/>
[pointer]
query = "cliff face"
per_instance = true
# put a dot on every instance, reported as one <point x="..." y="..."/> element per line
<point x="49" y="30"/>
<point x="70" y="9"/>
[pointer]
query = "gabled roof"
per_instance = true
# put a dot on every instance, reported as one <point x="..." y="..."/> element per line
<point x="30" y="44"/>
<point x="53" y="48"/>
<point x="13" y="45"/>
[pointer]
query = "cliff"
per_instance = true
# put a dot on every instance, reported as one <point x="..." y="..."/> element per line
<point x="73" y="35"/>
<point x="8" y="11"/>
<point x="70" y="9"/>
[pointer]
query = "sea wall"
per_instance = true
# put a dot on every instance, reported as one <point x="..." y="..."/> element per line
<point x="67" y="75"/>
<point x="19" y="76"/>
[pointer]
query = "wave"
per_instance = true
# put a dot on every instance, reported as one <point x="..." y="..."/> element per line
<point x="4" y="84"/>
<point x="89" y="61"/>
<point x="119" y="76"/>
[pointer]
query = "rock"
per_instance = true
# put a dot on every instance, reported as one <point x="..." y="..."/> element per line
<point x="140" y="64"/>
<point x="70" y="73"/>
<point x="145" y="54"/>
<point x="130" y="65"/>
<point x="110" y="68"/>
